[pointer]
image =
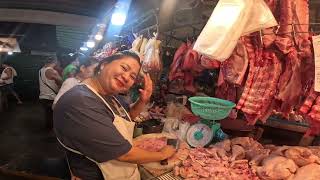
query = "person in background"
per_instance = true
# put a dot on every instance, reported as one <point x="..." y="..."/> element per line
<point x="70" y="69"/>
<point x="94" y="124"/>
<point x="49" y="83"/>
<point x="84" y="70"/>
<point x="6" y="81"/>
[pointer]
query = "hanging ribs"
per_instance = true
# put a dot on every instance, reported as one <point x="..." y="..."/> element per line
<point x="251" y="75"/>
<point x="256" y="101"/>
<point x="314" y="118"/>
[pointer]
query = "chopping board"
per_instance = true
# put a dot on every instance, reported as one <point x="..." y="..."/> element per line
<point x="155" y="168"/>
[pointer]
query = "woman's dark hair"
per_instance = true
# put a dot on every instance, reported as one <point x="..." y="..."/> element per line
<point x="85" y="61"/>
<point x="117" y="56"/>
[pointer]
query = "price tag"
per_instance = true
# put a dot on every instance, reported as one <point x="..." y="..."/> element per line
<point x="316" y="48"/>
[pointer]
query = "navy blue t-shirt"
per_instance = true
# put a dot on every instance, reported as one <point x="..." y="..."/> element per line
<point x="84" y="123"/>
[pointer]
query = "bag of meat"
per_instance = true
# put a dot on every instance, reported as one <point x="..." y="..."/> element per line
<point x="223" y="29"/>
<point x="136" y="44"/>
<point x="152" y="62"/>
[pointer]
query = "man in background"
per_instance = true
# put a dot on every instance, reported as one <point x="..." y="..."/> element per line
<point x="7" y="82"/>
<point x="49" y="83"/>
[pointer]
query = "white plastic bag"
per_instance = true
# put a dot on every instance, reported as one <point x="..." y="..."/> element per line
<point x="223" y="29"/>
<point x="230" y="20"/>
<point x="261" y="18"/>
<point x="152" y="62"/>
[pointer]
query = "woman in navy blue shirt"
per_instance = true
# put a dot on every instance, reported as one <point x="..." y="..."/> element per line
<point x="94" y="124"/>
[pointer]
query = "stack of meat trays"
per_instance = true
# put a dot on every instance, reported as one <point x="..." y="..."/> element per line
<point x="168" y="176"/>
<point x="146" y="175"/>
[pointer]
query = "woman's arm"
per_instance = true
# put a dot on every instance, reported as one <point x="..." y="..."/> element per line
<point x="54" y="75"/>
<point x="144" y="98"/>
<point x="137" y="108"/>
<point x="140" y="156"/>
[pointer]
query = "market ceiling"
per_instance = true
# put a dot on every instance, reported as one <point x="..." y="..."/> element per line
<point x="74" y="19"/>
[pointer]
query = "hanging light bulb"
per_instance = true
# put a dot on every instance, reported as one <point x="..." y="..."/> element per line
<point x="118" y="18"/>
<point x="98" y="37"/>
<point x="91" y="44"/>
<point x="10" y="53"/>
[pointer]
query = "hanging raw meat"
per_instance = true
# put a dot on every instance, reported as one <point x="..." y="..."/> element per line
<point x="290" y="79"/>
<point x="191" y="61"/>
<point x="208" y="63"/>
<point x="261" y="84"/>
<point x="309" y="100"/>
<point x="192" y="68"/>
<point x="298" y="58"/>
<point x="310" y="109"/>
<point x="314" y="118"/>
<point x="284" y="39"/>
<point x="235" y="67"/>
<point x="251" y="54"/>
<point x="186" y="65"/>
<point x="272" y="4"/>
<point x="301" y="26"/>
<point x="226" y="91"/>
<point x="175" y="67"/>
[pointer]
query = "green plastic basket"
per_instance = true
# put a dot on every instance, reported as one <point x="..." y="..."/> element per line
<point x="211" y="108"/>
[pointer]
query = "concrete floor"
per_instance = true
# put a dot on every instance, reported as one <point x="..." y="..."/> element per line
<point x="26" y="146"/>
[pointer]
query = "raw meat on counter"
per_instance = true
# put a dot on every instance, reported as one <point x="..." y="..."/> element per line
<point x="308" y="172"/>
<point x="243" y="158"/>
<point x="153" y="144"/>
<point x="276" y="167"/>
<point x="222" y="161"/>
<point x="156" y="168"/>
<point x="202" y="163"/>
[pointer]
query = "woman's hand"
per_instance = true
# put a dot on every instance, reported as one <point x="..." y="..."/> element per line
<point x="146" y="93"/>
<point x="167" y="151"/>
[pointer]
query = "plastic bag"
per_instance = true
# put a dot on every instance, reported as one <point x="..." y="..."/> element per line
<point x="230" y="20"/>
<point x="152" y="63"/>
<point x="262" y="18"/>
<point x="223" y="29"/>
<point x="170" y="125"/>
<point x="136" y="44"/>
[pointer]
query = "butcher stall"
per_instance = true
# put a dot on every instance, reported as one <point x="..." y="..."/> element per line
<point x="237" y="96"/>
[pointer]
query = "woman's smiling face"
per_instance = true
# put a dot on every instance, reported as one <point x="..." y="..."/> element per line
<point x="118" y="76"/>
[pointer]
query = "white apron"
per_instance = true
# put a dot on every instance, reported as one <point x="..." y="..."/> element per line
<point x="114" y="169"/>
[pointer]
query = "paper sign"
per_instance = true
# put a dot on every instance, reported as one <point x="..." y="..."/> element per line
<point x="316" y="48"/>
